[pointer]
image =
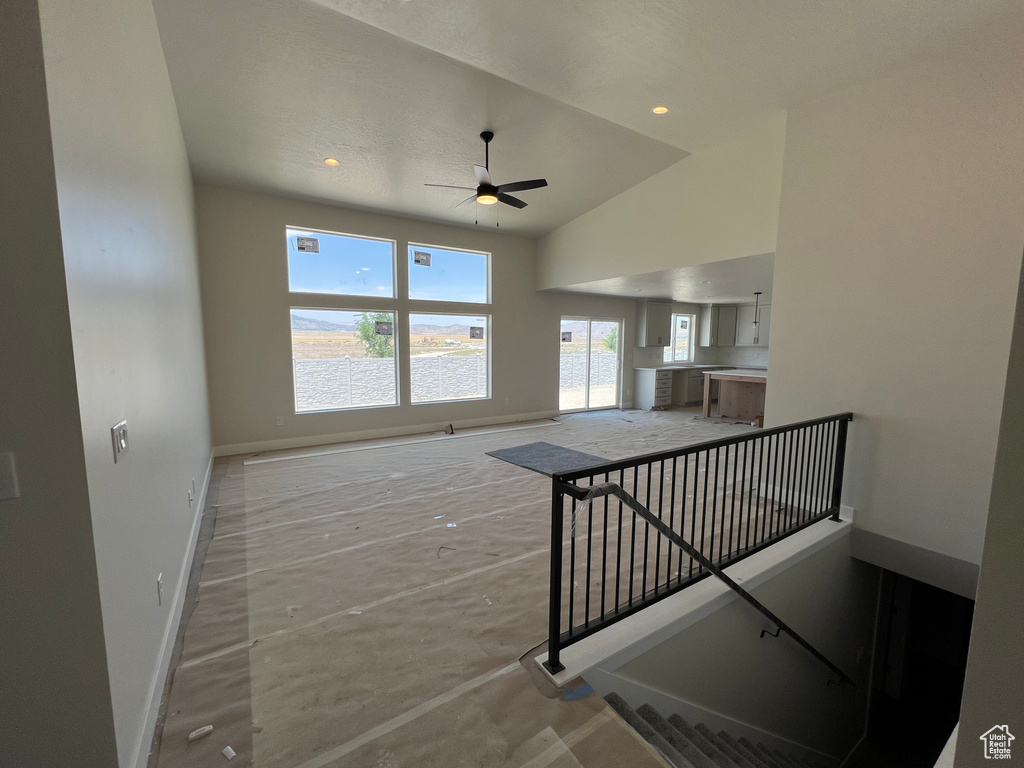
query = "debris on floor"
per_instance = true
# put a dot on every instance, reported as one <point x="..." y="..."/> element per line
<point x="228" y="752"/>
<point x="198" y="733"/>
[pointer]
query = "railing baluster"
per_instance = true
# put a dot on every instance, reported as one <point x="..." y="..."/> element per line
<point x="672" y="523"/>
<point x="693" y="507"/>
<point x="732" y="502"/>
<point x="632" y="542"/>
<point x="618" y="552"/>
<point x="604" y="555"/>
<point x="789" y="476"/>
<point x="590" y="545"/>
<point x="704" y="504"/>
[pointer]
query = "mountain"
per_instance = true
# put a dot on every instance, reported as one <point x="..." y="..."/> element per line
<point x="440" y="330"/>
<point x="300" y="323"/>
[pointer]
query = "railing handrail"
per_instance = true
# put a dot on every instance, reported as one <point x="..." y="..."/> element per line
<point x="614" y="489"/>
<point x="649" y="458"/>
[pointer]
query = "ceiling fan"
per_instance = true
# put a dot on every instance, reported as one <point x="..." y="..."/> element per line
<point x="487" y="193"/>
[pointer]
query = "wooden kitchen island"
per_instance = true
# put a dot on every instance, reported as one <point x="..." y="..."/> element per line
<point x="740" y="394"/>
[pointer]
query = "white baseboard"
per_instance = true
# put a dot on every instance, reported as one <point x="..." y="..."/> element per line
<point x="308" y="441"/>
<point x="156" y="685"/>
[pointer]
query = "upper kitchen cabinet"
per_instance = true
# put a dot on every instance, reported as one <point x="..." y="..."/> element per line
<point x="745" y="336"/>
<point x="717" y="326"/>
<point x="654" y="324"/>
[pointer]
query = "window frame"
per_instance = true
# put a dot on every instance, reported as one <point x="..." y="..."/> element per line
<point x="401" y="306"/>
<point x="411" y="245"/>
<point x="669" y="353"/>
<point x="487" y="338"/>
<point x="372" y="296"/>
<point x="395" y="358"/>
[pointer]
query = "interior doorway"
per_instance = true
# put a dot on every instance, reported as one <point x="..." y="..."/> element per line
<point x="589" y="363"/>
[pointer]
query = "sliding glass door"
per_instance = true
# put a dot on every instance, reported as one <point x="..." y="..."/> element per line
<point x="589" y="364"/>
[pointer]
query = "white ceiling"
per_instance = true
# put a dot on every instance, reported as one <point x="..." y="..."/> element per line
<point x="400" y="90"/>
<point x="266" y="89"/>
<point x="733" y="281"/>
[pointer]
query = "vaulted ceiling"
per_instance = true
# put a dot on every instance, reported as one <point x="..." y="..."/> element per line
<point x="399" y="90"/>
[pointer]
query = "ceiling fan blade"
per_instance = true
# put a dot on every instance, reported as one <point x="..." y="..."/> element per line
<point x="482" y="175"/>
<point x="520" y="186"/>
<point x="515" y="202"/>
<point x="471" y="197"/>
<point x="447" y="186"/>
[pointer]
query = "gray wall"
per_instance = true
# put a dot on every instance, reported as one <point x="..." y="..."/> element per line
<point x="773" y="684"/>
<point x="100" y="274"/>
<point x="55" y="707"/>
<point x="895" y="282"/>
<point x="993" y="690"/>
<point x="248" y="337"/>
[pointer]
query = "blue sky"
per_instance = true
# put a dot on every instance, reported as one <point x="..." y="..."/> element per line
<point x="363" y="267"/>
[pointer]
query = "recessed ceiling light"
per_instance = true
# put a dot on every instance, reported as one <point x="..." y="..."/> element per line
<point x="660" y="109"/>
<point x="705" y="282"/>
<point x="486" y="199"/>
<point x="332" y="161"/>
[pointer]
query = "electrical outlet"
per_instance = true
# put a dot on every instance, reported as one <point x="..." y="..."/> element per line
<point x="119" y="437"/>
<point x="506" y="401"/>
<point x="160" y="589"/>
<point x="280" y="421"/>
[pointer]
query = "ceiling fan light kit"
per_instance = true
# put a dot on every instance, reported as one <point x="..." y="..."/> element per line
<point x="488" y="193"/>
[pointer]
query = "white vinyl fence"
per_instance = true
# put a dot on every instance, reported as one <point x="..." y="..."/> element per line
<point x="322" y="385"/>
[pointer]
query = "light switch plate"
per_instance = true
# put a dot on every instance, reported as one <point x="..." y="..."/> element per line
<point x="119" y="437"/>
<point x="8" y="477"/>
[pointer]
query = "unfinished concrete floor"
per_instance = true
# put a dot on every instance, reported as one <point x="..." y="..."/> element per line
<point x="369" y="607"/>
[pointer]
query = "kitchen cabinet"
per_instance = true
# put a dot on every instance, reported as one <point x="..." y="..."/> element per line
<point x="717" y="326"/>
<point x="654" y="324"/>
<point x="745" y="326"/>
<point x="653" y="388"/>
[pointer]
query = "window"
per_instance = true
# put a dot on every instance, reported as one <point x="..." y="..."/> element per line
<point x="681" y="348"/>
<point x="448" y="357"/>
<point x="322" y="262"/>
<point x="343" y="359"/>
<point x="440" y="274"/>
<point x="347" y="358"/>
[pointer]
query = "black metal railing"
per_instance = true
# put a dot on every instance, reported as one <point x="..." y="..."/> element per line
<point x="643" y="528"/>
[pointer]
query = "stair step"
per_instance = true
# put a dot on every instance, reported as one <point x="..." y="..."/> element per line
<point x="700" y="741"/>
<point x="641" y="726"/>
<point x="787" y="760"/>
<point x="763" y="755"/>
<point x="752" y="757"/>
<point x="724" y="747"/>
<point x="678" y="740"/>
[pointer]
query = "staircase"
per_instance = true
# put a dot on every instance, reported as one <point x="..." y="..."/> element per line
<point x="686" y="746"/>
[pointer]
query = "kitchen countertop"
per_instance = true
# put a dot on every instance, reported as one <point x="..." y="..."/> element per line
<point x="682" y="367"/>
<point x="755" y="373"/>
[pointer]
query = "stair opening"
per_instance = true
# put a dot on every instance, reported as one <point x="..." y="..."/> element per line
<point x="921" y="647"/>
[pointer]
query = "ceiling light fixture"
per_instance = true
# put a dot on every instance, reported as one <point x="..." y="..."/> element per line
<point x="660" y="109"/>
<point x="487" y="199"/>
<point x="332" y="161"/>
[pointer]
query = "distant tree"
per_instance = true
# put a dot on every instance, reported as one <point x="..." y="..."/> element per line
<point x="376" y="345"/>
<point x="611" y="341"/>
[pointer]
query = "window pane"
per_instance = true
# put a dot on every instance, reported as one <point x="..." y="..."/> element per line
<point x="679" y="349"/>
<point x="441" y="275"/>
<point x="343" y="359"/>
<point x="340" y="264"/>
<point x="449" y="357"/>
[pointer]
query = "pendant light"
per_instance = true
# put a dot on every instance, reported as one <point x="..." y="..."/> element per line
<point x="757" y="316"/>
